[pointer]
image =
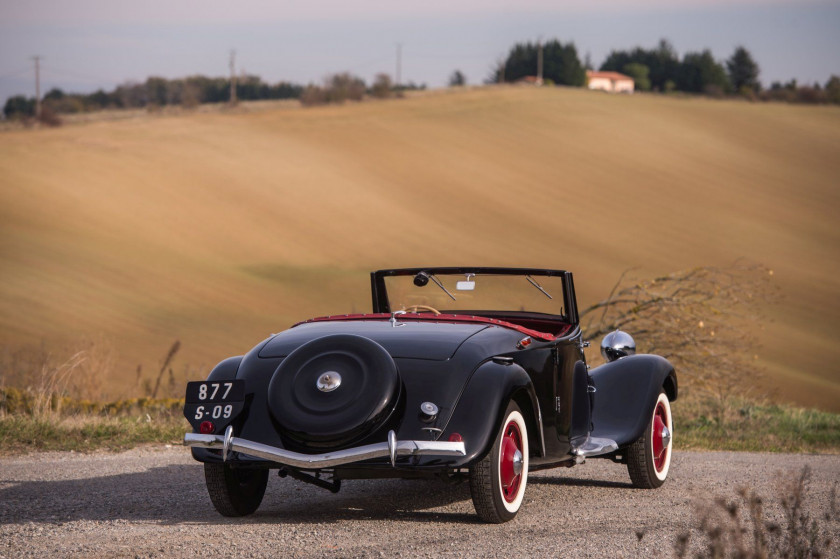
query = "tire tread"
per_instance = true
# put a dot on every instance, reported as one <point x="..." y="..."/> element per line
<point x="481" y="489"/>
<point x="638" y="465"/>
<point x="483" y="481"/>
<point x="227" y="495"/>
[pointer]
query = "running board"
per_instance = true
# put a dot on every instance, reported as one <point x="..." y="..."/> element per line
<point x="594" y="446"/>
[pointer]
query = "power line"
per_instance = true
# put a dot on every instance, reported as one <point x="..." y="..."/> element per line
<point x="16" y="73"/>
<point x="75" y="75"/>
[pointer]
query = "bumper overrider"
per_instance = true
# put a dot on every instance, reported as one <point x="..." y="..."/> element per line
<point x="391" y="449"/>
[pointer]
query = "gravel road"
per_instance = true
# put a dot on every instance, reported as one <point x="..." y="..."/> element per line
<point x="152" y="501"/>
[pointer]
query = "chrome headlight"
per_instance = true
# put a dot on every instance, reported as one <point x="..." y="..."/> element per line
<point x="616" y="345"/>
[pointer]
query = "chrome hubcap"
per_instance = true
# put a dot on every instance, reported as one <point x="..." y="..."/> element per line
<point x="328" y="381"/>
<point x="517" y="462"/>
<point x="666" y="436"/>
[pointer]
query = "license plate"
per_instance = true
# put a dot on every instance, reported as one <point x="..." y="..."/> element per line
<point x="218" y="402"/>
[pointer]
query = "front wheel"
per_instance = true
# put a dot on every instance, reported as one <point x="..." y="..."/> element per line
<point x="649" y="457"/>
<point x="235" y="491"/>
<point x="497" y="483"/>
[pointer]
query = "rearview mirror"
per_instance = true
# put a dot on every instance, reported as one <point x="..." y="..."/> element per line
<point x="465" y="285"/>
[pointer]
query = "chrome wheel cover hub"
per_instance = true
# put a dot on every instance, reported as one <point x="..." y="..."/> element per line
<point x="328" y="381"/>
<point x="666" y="437"/>
<point x="517" y="462"/>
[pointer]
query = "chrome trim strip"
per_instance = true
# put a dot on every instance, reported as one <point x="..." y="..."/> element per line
<point x="328" y="459"/>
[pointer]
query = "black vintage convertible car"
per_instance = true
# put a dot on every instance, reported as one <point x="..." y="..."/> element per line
<point x="474" y="374"/>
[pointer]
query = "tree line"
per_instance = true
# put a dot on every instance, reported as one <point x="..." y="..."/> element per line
<point x="660" y="69"/>
<point x="153" y="93"/>
<point x="157" y="92"/>
<point x="656" y="69"/>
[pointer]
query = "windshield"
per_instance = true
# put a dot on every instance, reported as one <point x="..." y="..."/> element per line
<point x="472" y="293"/>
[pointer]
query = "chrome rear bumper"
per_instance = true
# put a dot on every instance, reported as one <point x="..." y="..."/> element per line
<point x="391" y="449"/>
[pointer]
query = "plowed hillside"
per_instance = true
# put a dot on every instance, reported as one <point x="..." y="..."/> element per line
<point x="218" y="229"/>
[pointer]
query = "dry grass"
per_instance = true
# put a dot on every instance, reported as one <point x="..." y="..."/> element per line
<point x="752" y="527"/>
<point x="84" y="433"/>
<point x="217" y="229"/>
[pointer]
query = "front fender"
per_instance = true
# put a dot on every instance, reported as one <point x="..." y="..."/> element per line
<point x="479" y="410"/>
<point x="625" y="395"/>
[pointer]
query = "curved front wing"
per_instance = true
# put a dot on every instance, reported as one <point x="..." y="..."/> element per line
<point x="391" y="449"/>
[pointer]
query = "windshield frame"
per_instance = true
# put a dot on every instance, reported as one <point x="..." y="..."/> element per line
<point x="379" y="292"/>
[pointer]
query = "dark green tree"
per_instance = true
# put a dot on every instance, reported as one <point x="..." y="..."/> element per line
<point x="99" y="99"/>
<point x="19" y="106"/>
<point x="640" y="74"/>
<point x="743" y="71"/>
<point x="457" y="79"/>
<point x="699" y="72"/>
<point x="156" y="91"/>
<point x="55" y="94"/>
<point x="832" y="89"/>
<point x="662" y="62"/>
<point x="561" y="64"/>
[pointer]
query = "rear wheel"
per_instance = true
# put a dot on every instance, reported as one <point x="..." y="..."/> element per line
<point x="649" y="457"/>
<point x="497" y="482"/>
<point x="235" y="491"/>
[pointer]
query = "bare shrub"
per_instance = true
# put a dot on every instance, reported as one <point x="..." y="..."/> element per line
<point x="51" y="384"/>
<point x="49" y="117"/>
<point x="811" y="95"/>
<point x="88" y="383"/>
<point x="695" y="319"/>
<point x="713" y="90"/>
<point x="344" y="87"/>
<point x="313" y="95"/>
<point x="382" y="87"/>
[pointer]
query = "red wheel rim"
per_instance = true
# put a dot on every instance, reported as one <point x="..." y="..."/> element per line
<point x="511" y="444"/>
<point x="660" y="450"/>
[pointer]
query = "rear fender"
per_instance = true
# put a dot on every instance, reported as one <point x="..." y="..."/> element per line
<point x="479" y="410"/>
<point x="226" y="370"/>
<point x="626" y="393"/>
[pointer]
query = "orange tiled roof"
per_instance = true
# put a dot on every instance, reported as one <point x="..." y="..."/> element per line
<point x="615" y="76"/>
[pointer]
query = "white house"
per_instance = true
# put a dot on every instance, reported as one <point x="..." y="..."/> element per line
<point x="609" y="81"/>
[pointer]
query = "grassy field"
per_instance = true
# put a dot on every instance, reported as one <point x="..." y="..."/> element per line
<point x="218" y="229"/>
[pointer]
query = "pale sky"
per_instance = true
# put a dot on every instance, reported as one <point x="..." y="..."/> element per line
<point x="88" y="44"/>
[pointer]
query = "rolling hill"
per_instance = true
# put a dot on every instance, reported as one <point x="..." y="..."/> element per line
<point x="218" y="229"/>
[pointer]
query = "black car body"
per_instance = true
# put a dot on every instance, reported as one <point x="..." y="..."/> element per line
<point x="466" y="373"/>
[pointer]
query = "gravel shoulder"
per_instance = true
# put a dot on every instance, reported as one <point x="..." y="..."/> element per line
<point x="152" y="501"/>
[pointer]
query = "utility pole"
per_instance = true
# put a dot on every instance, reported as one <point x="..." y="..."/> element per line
<point x="37" y="60"/>
<point x="233" y="77"/>
<point x="398" y="75"/>
<point x="539" y="61"/>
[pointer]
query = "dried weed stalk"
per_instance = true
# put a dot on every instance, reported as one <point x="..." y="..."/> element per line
<point x="52" y="383"/>
<point x="738" y="529"/>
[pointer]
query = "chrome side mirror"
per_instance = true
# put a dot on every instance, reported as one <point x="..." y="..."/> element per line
<point x="616" y="345"/>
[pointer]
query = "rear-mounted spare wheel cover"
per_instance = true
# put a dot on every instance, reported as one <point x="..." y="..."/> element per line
<point x="334" y="389"/>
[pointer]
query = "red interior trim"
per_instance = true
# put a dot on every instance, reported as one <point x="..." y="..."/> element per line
<point x="545" y="336"/>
